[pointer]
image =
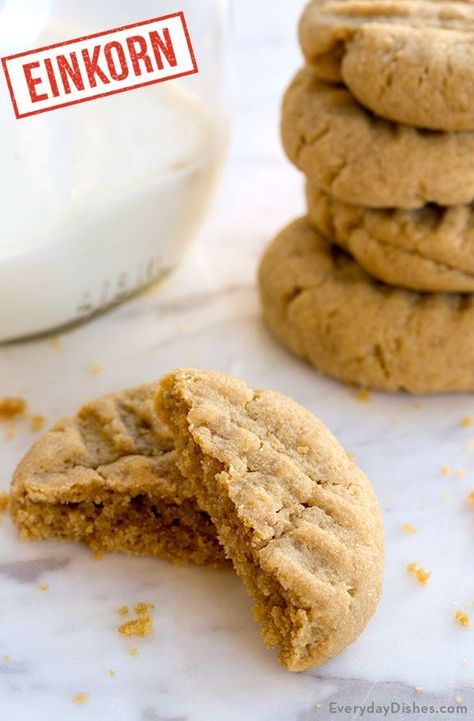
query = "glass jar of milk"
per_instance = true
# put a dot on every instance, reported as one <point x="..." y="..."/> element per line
<point x="99" y="199"/>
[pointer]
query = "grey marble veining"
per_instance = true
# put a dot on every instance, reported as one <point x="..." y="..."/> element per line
<point x="205" y="661"/>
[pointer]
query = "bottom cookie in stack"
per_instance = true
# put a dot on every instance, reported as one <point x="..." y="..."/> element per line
<point x="326" y="309"/>
<point x="429" y="250"/>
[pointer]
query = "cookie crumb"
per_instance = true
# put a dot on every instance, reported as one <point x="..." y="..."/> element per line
<point x="462" y="618"/>
<point x="466" y="422"/>
<point x="44" y="587"/>
<point x="5" y="500"/>
<point x="140" y="626"/>
<point x="446" y="470"/>
<point x="318" y="705"/>
<point x="458" y="699"/>
<point x="419" y="689"/>
<point x="419" y="572"/>
<point x="143" y="608"/>
<point x="123" y="610"/>
<point x="98" y="556"/>
<point x="134" y="651"/>
<point x="7" y="659"/>
<point x="11" y="407"/>
<point x="470" y="498"/>
<point x="408" y="528"/>
<point x="461" y="472"/>
<point x="37" y="423"/>
<point x="55" y="341"/>
<point x="362" y="395"/>
<point x="80" y="698"/>
<point x="95" y="369"/>
<point x="111" y="673"/>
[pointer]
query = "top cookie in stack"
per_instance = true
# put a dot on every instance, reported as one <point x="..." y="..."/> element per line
<point x="381" y="122"/>
<point x="411" y="61"/>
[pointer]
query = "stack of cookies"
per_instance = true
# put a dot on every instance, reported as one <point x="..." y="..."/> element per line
<point x="375" y="286"/>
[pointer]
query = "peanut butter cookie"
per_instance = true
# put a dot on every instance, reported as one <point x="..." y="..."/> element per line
<point x="299" y="520"/>
<point x="108" y="477"/>
<point x="359" y="159"/>
<point x="430" y="250"/>
<point x="326" y="309"/>
<point x="411" y="61"/>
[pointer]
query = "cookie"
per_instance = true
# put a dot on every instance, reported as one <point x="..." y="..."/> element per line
<point x="108" y="477"/>
<point x="359" y="159"/>
<point x="411" y="61"/>
<point x="322" y="306"/>
<point x="299" y="520"/>
<point x="430" y="250"/>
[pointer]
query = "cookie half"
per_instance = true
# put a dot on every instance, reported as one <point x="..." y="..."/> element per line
<point x="429" y="250"/>
<point x="299" y="520"/>
<point x="362" y="160"/>
<point x="322" y="306"/>
<point x="411" y="61"/>
<point x="108" y="477"/>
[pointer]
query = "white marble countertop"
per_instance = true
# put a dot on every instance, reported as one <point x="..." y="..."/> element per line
<point x="204" y="661"/>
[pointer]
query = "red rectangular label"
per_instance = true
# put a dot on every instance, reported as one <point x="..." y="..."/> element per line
<point x="98" y="65"/>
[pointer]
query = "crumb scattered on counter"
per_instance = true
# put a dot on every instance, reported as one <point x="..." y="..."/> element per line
<point x="462" y="618"/>
<point x="419" y="573"/>
<point x="140" y="626"/>
<point x="458" y="699"/>
<point x="419" y="689"/>
<point x="461" y="472"/>
<point x="470" y="498"/>
<point x="44" y="587"/>
<point x="466" y="422"/>
<point x="4" y="501"/>
<point x="143" y="608"/>
<point x="12" y="407"/>
<point x="408" y="528"/>
<point x="123" y="610"/>
<point x="95" y="369"/>
<point x="7" y="659"/>
<point x="98" y="556"/>
<point x="446" y="470"/>
<point x="55" y="341"/>
<point x="80" y="698"/>
<point x="111" y="673"/>
<point x="37" y="423"/>
<point x="362" y="395"/>
<point x="134" y="651"/>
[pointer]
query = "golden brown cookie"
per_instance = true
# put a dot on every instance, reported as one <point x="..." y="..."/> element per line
<point x="429" y="250"/>
<point x="359" y="159"/>
<point x="321" y="305"/>
<point x="411" y="61"/>
<point x="107" y="476"/>
<point x="298" y="518"/>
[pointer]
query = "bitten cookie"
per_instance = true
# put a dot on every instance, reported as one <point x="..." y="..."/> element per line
<point x="411" y="61"/>
<point x="299" y="520"/>
<point x="108" y="477"/>
<point x="362" y="160"/>
<point x="430" y="250"/>
<point x="322" y="306"/>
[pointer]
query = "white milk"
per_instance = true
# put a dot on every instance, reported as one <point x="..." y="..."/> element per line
<point x="98" y="199"/>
